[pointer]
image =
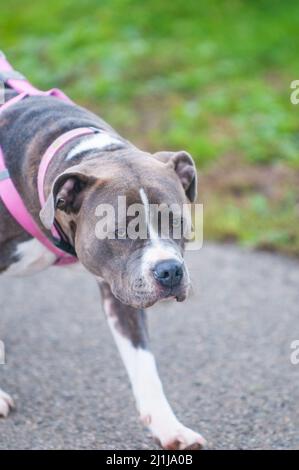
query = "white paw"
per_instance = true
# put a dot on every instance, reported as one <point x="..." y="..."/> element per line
<point x="182" y="438"/>
<point x="170" y="434"/>
<point x="6" y="403"/>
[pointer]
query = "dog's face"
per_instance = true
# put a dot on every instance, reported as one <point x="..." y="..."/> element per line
<point x="126" y="220"/>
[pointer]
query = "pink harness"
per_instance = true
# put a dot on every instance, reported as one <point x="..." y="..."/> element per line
<point x="8" y="192"/>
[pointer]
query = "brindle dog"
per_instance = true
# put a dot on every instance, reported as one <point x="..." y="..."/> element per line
<point x="132" y="274"/>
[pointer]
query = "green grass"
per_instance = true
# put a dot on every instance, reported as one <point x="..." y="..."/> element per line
<point x="256" y="223"/>
<point x="211" y="77"/>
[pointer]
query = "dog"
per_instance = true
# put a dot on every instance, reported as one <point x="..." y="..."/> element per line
<point x="61" y="197"/>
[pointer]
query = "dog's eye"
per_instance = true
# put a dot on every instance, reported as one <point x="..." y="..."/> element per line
<point x="121" y="233"/>
<point x="60" y="203"/>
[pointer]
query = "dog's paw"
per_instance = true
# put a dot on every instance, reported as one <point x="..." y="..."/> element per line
<point x="182" y="438"/>
<point x="170" y="434"/>
<point x="6" y="404"/>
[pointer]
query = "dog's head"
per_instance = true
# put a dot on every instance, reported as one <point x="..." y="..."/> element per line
<point x="125" y="215"/>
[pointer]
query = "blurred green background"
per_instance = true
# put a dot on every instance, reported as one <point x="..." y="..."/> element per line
<point x="209" y="77"/>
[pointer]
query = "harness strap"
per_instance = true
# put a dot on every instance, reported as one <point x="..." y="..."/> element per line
<point x="49" y="154"/>
<point x="8" y="192"/>
<point x="18" y="210"/>
<point x="14" y="203"/>
<point x="20" y="84"/>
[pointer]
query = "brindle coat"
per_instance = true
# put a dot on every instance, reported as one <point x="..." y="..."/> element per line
<point x="74" y="188"/>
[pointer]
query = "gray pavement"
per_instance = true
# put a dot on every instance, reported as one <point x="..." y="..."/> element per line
<point x="223" y="355"/>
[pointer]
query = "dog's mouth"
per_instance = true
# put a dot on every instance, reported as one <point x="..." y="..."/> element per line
<point x="180" y="298"/>
<point x="145" y="298"/>
<point x="140" y="292"/>
<point x="177" y="297"/>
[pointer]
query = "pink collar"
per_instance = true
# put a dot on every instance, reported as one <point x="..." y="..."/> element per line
<point x="8" y="192"/>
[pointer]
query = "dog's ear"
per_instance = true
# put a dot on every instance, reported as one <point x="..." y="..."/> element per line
<point x="184" y="166"/>
<point x="66" y="195"/>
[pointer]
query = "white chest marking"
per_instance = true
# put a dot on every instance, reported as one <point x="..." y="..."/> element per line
<point x="32" y="258"/>
<point x="99" y="141"/>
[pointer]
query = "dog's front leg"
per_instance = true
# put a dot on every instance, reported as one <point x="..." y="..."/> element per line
<point x="129" y="330"/>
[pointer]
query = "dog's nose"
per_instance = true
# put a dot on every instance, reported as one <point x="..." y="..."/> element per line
<point x="168" y="273"/>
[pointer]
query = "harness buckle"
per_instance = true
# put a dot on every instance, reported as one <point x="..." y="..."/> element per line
<point x="11" y="75"/>
<point x="4" y="175"/>
<point x="95" y="129"/>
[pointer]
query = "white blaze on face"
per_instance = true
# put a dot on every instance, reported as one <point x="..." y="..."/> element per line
<point x="158" y="249"/>
<point x="152" y="233"/>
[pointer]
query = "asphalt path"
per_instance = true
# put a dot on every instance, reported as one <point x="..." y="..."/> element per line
<point x="223" y="356"/>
